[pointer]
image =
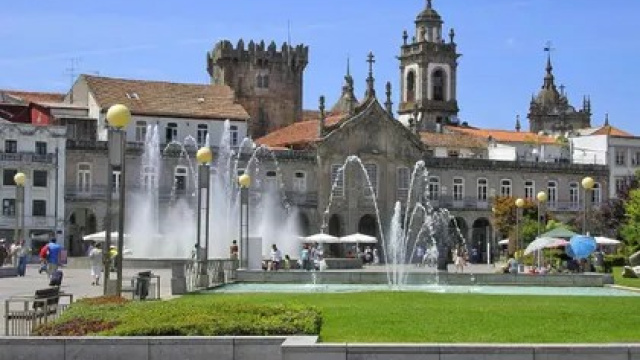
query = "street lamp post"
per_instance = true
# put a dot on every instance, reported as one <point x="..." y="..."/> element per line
<point x="118" y="117"/>
<point x="542" y="199"/>
<point x="19" y="179"/>
<point x="587" y="185"/>
<point x="519" y="245"/>
<point x="204" y="157"/>
<point x="245" y="182"/>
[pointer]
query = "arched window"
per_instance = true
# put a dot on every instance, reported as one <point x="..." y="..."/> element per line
<point x="411" y="86"/>
<point x="438" y="85"/>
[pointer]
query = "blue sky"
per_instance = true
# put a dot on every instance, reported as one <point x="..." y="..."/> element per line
<point x="502" y="41"/>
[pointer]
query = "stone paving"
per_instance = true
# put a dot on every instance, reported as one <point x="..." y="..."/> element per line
<point x="75" y="281"/>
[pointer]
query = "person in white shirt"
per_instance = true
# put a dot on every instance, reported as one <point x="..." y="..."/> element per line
<point x="276" y="257"/>
<point x="95" y="259"/>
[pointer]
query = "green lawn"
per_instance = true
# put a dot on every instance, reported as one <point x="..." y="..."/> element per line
<point x="454" y="318"/>
<point x="619" y="280"/>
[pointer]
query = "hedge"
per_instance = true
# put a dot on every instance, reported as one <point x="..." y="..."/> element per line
<point x="186" y="316"/>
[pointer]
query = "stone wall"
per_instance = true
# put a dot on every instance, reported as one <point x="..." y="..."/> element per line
<point x="290" y="348"/>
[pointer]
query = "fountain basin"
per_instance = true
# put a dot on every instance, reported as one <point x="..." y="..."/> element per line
<point x="443" y="289"/>
<point x="374" y="277"/>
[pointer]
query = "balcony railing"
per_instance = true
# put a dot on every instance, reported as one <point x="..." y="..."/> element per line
<point x="42" y="222"/>
<point x="302" y="198"/>
<point x="99" y="192"/>
<point x="26" y="157"/>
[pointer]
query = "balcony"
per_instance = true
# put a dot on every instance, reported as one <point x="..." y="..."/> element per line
<point x="26" y="157"/>
<point x="30" y="222"/>
<point x="99" y="192"/>
<point x="306" y="199"/>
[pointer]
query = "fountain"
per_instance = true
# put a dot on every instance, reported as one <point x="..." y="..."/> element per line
<point x="167" y="230"/>
<point x="423" y="226"/>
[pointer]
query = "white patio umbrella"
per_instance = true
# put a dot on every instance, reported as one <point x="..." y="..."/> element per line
<point x="320" y="238"/>
<point x="358" y="238"/>
<point x="601" y="240"/>
<point x="100" y="236"/>
<point x="504" y="242"/>
<point x="541" y="243"/>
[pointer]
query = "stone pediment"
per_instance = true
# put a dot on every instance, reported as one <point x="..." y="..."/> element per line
<point x="371" y="130"/>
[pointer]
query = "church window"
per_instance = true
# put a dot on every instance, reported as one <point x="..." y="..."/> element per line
<point x="411" y="86"/>
<point x="404" y="177"/>
<point x="372" y="174"/>
<point x="337" y="180"/>
<point x="437" y="83"/>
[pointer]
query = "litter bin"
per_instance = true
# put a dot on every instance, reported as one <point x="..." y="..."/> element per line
<point x="142" y="285"/>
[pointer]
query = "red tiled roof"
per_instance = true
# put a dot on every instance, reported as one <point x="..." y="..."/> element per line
<point x="161" y="98"/>
<point x="299" y="133"/>
<point x="611" y="130"/>
<point x="36" y="97"/>
<point x="458" y="141"/>
<point x="505" y="136"/>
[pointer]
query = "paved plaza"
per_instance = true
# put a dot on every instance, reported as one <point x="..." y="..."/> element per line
<point x="76" y="282"/>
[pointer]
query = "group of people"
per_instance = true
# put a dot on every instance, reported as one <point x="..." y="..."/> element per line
<point x="426" y="257"/>
<point x="17" y="254"/>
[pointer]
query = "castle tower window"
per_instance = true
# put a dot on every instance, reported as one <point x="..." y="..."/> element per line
<point x="411" y="86"/>
<point x="262" y="81"/>
<point x="438" y="85"/>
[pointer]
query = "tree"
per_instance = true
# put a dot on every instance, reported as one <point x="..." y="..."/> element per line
<point x="630" y="230"/>
<point x="504" y="220"/>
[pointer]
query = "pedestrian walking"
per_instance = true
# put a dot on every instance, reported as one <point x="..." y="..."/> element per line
<point x="95" y="260"/>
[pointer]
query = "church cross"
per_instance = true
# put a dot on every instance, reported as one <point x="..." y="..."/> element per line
<point x="371" y="60"/>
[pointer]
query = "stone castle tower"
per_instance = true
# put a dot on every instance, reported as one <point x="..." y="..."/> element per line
<point x="267" y="81"/>
<point x="428" y="74"/>
<point x="551" y="112"/>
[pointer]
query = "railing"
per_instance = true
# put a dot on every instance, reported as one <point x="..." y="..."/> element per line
<point x="9" y="221"/>
<point x="302" y="198"/>
<point x="220" y="271"/>
<point x="99" y="192"/>
<point x="25" y="157"/>
<point x="485" y="164"/>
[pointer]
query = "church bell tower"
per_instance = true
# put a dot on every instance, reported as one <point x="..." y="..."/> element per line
<point x="428" y="74"/>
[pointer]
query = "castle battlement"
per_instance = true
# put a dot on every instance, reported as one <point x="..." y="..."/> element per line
<point x="294" y="57"/>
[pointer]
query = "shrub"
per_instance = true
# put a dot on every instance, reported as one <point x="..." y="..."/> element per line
<point x="74" y="327"/>
<point x="615" y="260"/>
<point x="186" y="316"/>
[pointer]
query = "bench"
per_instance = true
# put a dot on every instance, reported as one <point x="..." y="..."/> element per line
<point x="23" y="313"/>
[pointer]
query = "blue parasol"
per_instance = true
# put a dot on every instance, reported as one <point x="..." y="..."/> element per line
<point x="581" y="246"/>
